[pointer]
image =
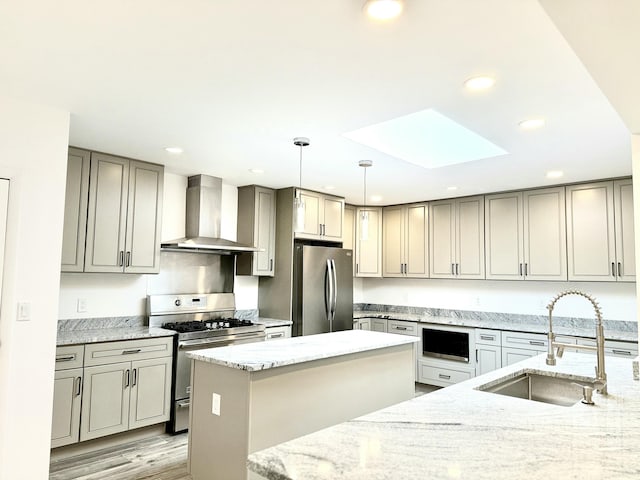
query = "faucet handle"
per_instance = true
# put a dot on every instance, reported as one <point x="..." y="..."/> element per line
<point x="560" y="351"/>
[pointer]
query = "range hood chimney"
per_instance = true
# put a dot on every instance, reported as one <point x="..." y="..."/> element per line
<point x="204" y="200"/>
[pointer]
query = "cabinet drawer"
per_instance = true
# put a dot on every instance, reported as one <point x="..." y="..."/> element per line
<point x="114" y="352"/>
<point x="436" y="375"/>
<point x="530" y="341"/>
<point x="402" y="327"/>
<point x="273" y="333"/>
<point x="614" y="348"/>
<point x="488" y="337"/>
<point x="71" y="356"/>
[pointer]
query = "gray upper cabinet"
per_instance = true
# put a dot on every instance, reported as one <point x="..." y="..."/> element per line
<point x="405" y="241"/>
<point x="124" y="215"/>
<point x="600" y="231"/>
<point x="456" y="238"/>
<point x="349" y="232"/>
<point x="75" y="211"/>
<point x="257" y="227"/>
<point x="323" y="216"/>
<point x="525" y="235"/>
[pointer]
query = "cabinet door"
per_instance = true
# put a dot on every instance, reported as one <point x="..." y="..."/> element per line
<point x="512" y="355"/>
<point x="369" y="245"/>
<point x="75" y="210"/>
<point x="470" y="237"/>
<point x="379" y="324"/>
<point x="393" y="239"/>
<point x="150" y="392"/>
<point x="488" y="358"/>
<point x="591" y="232"/>
<point x="312" y="222"/>
<point x="67" y="390"/>
<point x="503" y="234"/>
<point x="545" y="238"/>
<point x="144" y="218"/>
<point x="105" y="400"/>
<point x="349" y="232"/>
<point x="265" y="232"/>
<point x="107" y="214"/>
<point x="364" y="324"/>
<point x="332" y="215"/>
<point x="416" y="241"/>
<point x="625" y="241"/>
<point x="442" y="239"/>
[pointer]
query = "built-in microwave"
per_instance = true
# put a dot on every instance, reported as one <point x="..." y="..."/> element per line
<point x="445" y="344"/>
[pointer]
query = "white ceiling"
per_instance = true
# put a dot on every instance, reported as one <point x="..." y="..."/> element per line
<point x="232" y="82"/>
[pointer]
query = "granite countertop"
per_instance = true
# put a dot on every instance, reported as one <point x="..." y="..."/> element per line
<point x="72" y="337"/>
<point x="461" y="432"/>
<point x="290" y="351"/>
<point x="613" y="329"/>
<point x="272" y="322"/>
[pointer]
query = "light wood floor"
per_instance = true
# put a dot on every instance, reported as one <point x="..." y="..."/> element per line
<point x="159" y="458"/>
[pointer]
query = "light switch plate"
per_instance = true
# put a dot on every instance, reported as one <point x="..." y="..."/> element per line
<point x="24" y="311"/>
<point x="215" y="404"/>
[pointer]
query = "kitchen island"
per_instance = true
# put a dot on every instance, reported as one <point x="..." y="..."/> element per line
<point x="462" y="432"/>
<point x="252" y="396"/>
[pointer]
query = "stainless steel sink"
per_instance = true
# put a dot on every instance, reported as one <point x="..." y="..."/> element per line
<point x="540" y="388"/>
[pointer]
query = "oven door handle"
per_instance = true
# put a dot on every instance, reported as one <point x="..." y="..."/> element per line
<point x="202" y="342"/>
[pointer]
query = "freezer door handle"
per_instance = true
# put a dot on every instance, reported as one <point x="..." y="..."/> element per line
<point x="335" y="291"/>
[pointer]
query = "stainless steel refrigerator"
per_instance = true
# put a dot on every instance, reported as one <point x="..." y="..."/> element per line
<point x="322" y="289"/>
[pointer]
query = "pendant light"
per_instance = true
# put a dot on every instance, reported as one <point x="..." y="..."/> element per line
<point x="383" y="9"/>
<point x="298" y="204"/>
<point x="364" y="213"/>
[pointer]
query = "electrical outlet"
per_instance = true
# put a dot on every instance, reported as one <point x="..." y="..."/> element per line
<point x="477" y="301"/>
<point x="24" y="311"/>
<point x="215" y="404"/>
<point x="82" y="305"/>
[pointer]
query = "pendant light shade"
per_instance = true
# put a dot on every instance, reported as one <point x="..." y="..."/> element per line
<point x="298" y="204"/>
<point x="364" y="213"/>
<point x="383" y="9"/>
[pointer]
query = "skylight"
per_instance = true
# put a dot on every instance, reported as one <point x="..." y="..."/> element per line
<point x="426" y="138"/>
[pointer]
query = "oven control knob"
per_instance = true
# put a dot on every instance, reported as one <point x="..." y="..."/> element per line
<point x="178" y="302"/>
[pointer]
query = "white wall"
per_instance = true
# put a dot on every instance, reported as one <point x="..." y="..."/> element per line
<point x="617" y="300"/>
<point x="33" y="155"/>
<point x="114" y="295"/>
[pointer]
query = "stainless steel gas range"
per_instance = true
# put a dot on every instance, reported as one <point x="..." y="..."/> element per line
<point x="201" y="321"/>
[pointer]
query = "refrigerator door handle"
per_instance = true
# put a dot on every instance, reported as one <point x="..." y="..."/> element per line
<point x="335" y="292"/>
<point x="328" y="294"/>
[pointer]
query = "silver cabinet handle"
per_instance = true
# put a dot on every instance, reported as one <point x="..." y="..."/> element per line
<point x="622" y="352"/>
<point x="128" y="262"/>
<point x="271" y="265"/>
<point x="488" y="337"/>
<point x="276" y="335"/>
<point x="526" y="269"/>
<point x="477" y="356"/>
<point x="121" y="258"/>
<point x="444" y="377"/>
<point x="619" y="269"/>
<point x="453" y="271"/>
<point x="127" y="379"/>
<point x="520" y="270"/>
<point x="613" y="269"/>
<point x="398" y="327"/>
<point x="357" y="268"/>
<point x="535" y="342"/>
<point x="65" y="359"/>
<point x="78" y="386"/>
<point x="457" y="271"/>
<point x="131" y="352"/>
<point x="135" y="377"/>
<point x="183" y="403"/>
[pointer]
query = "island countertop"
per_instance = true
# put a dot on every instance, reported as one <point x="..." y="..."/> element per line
<point x="461" y="432"/>
<point x="290" y="351"/>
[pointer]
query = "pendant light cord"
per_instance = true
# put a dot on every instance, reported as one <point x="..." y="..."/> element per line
<point x="300" y="166"/>
<point x="364" y="199"/>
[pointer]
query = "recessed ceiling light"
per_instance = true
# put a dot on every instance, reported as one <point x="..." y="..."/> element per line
<point x="256" y="170"/>
<point x="452" y="188"/>
<point x="376" y="198"/>
<point x="329" y="187"/>
<point x="426" y="138"/>
<point x="554" y="174"/>
<point x="532" y="123"/>
<point x="383" y="9"/>
<point x="174" y="150"/>
<point x="479" y="83"/>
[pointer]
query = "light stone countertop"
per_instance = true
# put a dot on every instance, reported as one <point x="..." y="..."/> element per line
<point x="271" y="322"/>
<point x="72" y="337"/>
<point x="461" y="433"/>
<point x="613" y="330"/>
<point x="290" y="351"/>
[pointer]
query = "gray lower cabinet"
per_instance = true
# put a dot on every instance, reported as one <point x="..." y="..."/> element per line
<point x="124" y="215"/>
<point x="67" y="395"/>
<point x="362" y="323"/>
<point x="379" y="324"/>
<point x="273" y="333"/>
<point x="488" y="350"/>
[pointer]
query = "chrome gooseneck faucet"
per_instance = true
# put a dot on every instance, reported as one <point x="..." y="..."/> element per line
<point x="601" y="376"/>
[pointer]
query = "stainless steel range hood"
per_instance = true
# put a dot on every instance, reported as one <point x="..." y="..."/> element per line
<point x="204" y="199"/>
